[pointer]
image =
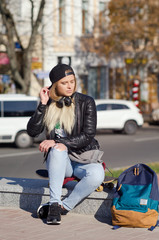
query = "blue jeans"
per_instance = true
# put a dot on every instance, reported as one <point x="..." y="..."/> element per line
<point x="60" y="166"/>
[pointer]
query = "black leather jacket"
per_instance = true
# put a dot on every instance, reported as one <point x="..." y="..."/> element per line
<point x="82" y="137"/>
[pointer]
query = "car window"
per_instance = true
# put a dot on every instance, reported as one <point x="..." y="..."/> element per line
<point x="19" y="108"/>
<point x="112" y="106"/>
<point x="118" y="106"/>
<point x="101" y="107"/>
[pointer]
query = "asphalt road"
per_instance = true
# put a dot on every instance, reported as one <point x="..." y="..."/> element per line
<point x="126" y="150"/>
<point x="119" y="150"/>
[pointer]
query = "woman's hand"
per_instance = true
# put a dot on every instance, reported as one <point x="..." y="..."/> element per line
<point x="44" y="95"/>
<point x="46" y="144"/>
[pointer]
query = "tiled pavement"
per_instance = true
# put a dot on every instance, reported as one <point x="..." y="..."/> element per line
<point x="17" y="224"/>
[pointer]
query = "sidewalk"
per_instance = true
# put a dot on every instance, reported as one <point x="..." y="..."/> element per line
<point x="17" y="224"/>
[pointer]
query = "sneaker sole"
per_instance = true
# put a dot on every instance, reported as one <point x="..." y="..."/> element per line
<point x="53" y="222"/>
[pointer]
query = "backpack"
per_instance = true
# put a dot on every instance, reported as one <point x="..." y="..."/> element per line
<point x="136" y="198"/>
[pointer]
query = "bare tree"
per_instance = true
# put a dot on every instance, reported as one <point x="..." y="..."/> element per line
<point x="21" y="76"/>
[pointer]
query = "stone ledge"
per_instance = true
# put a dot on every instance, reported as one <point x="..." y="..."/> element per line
<point x="28" y="194"/>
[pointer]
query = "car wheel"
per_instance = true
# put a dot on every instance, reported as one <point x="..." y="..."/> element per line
<point x="130" y="127"/>
<point x="23" y="140"/>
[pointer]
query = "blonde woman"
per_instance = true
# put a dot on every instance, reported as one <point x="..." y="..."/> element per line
<point x="70" y="148"/>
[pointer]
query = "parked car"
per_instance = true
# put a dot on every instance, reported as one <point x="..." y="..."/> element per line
<point x="155" y="115"/>
<point x="118" y="115"/>
<point x="15" y="111"/>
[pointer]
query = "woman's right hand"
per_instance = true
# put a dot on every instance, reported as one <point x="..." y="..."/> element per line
<point x="44" y="95"/>
<point x="46" y="144"/>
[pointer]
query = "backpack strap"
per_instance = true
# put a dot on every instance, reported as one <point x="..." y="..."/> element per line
<point x="153" y="227"/>
<point x="150" y="229"/>
<point x="116" y="227"/>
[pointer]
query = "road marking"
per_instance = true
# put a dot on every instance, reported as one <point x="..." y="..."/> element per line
<point x="18" y="154"/>
<point x="146" y="139"/>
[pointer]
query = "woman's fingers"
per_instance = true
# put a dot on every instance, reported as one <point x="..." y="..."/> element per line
<point x="46" y="144"/>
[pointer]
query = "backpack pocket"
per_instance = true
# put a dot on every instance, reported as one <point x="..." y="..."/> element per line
<point x="133" y="197"/>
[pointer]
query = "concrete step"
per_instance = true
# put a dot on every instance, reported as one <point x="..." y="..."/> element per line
<point x="28" y="194"/>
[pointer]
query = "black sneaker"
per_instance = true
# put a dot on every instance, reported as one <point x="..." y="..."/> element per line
<point x="54" y="214"/>
<point x="42" y="211"/>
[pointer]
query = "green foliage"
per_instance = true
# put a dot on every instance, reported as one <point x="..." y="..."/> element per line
<point x="114" y="172"/>
<point x="154" y="166"/>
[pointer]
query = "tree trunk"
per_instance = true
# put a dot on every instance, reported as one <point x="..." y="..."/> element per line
<point x="21" y="77"/>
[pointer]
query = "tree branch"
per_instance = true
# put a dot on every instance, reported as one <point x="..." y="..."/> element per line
<point x="32" y="13"/>
<point x="36" y="26"/>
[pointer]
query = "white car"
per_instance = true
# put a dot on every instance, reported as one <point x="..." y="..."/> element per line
<point x="15" y="112"/>
<point x="155" y="115"/>
<point x="118" y="115"/>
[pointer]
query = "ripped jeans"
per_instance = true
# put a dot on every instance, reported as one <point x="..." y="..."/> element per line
<point x="60" y="166"/>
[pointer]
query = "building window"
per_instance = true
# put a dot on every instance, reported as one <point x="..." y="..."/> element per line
<point x="97" y="82"/>
<point x="62" y="16"/>
<point x="102" y="16"/>
<point x="85" y="16"/>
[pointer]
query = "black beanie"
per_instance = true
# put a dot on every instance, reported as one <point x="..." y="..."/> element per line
<point x="60" y="71"/>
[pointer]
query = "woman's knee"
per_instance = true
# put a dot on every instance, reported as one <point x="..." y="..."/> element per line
<point x="58" y="158"/>
<point x="60" y="147"/>
<point x="96" y="173"/>
<point x="57" y="153"/>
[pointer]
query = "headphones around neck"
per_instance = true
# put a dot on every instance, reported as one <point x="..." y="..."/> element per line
<point x="64" y="101"/>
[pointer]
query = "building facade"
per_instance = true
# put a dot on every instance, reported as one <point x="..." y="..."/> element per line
<point x="64" y="23"/>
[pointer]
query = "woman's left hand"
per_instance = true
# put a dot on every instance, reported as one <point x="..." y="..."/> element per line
<point x="46" y="144"/>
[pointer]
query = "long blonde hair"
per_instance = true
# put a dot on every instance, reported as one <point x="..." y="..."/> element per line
<point x="65" y="115"/>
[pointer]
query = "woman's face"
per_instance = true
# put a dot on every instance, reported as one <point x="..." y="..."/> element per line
<point x="66" y="86"/>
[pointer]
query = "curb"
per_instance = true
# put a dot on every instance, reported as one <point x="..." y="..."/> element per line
<point x="28" y="194"/>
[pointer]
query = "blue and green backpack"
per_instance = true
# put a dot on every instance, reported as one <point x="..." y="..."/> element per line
<point x="136" y="198"/>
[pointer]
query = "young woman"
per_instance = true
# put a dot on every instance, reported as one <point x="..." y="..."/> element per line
<point x="69" y="118"/>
